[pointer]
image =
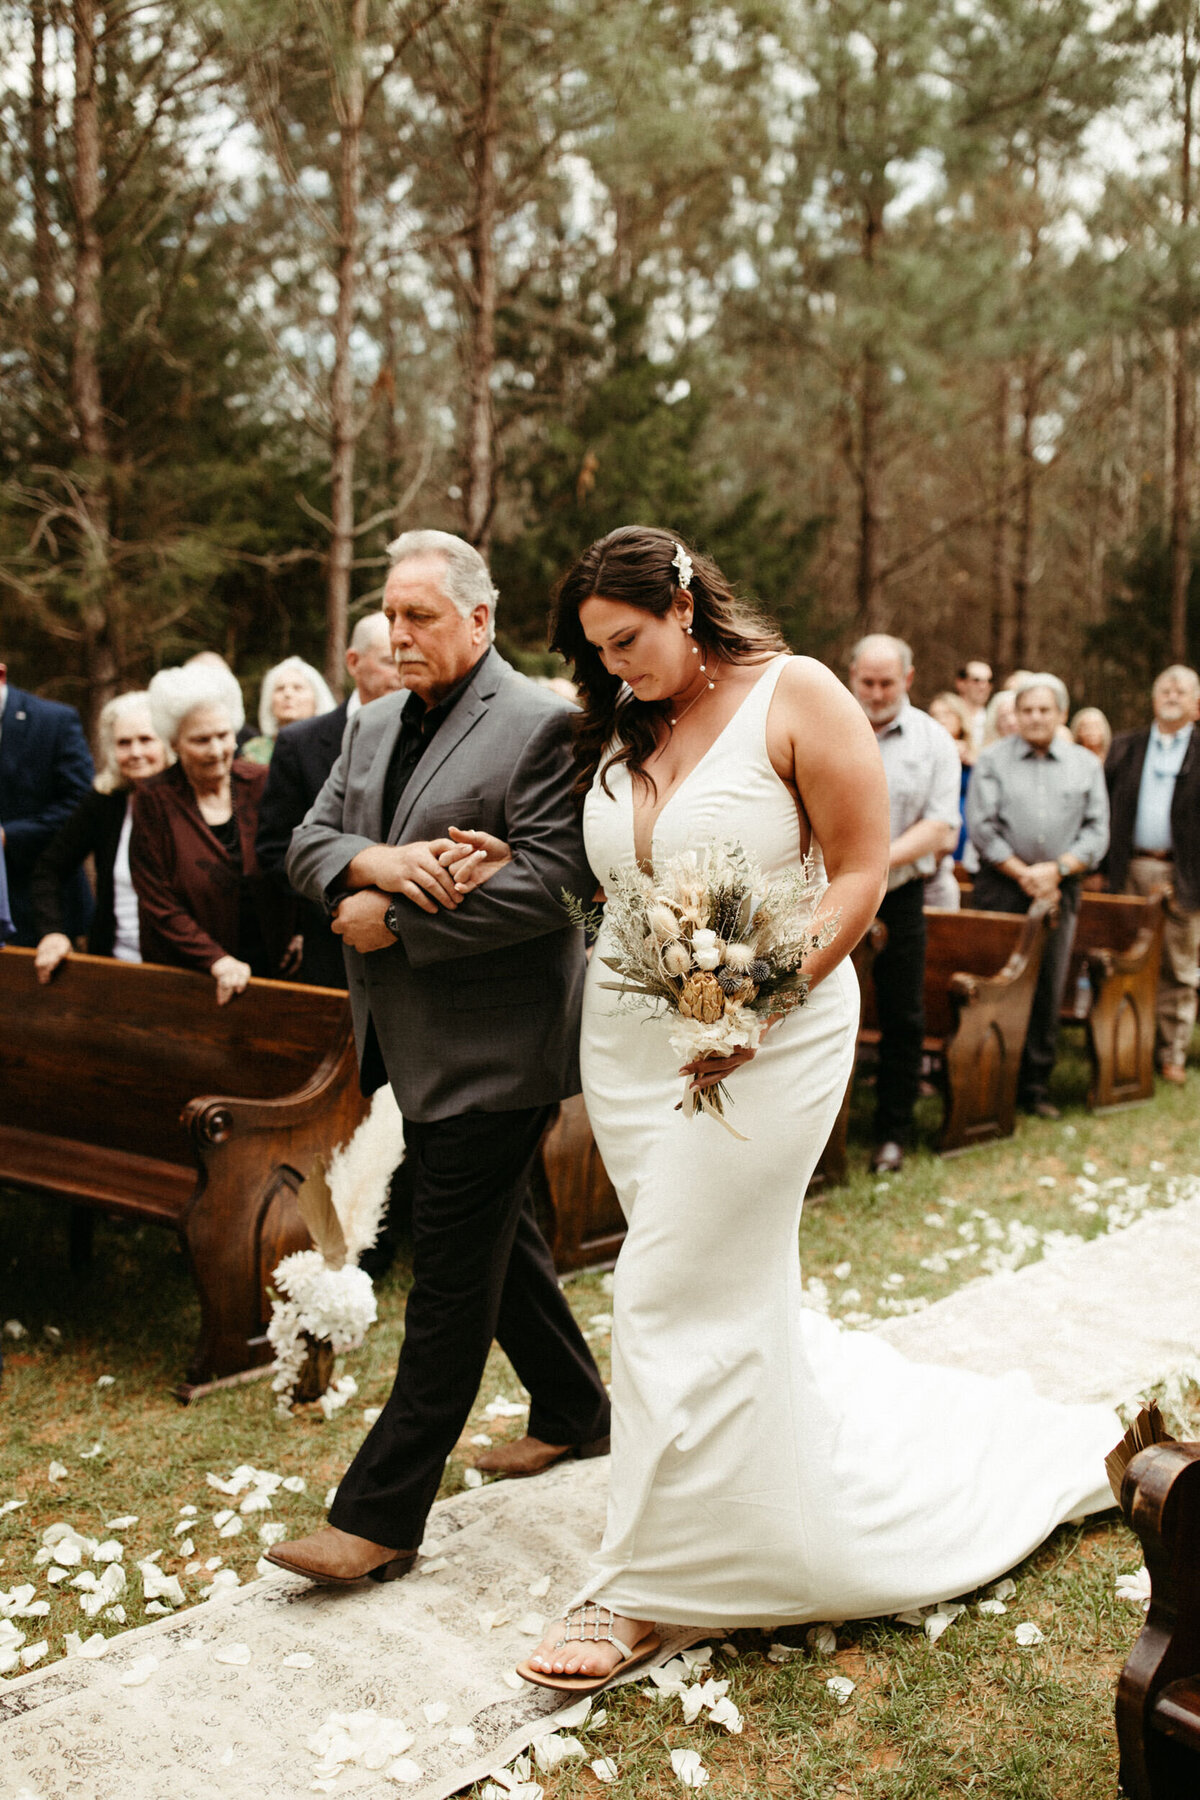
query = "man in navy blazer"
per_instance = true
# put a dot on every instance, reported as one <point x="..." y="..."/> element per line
<point x="45" y="769"/>
<point x="303" y="756"/>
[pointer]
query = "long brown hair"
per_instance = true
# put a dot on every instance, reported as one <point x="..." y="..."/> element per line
<point x="636" y="565"/>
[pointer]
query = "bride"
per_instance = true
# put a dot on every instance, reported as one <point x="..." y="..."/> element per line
<point x="768" y="1467"/>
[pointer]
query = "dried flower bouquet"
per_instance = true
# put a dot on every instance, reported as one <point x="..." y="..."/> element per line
<point x="716" y="943"/>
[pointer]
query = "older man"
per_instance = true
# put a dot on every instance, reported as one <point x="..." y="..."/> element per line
<point x="1037" y="812"/>
<point x="304" y="755"/>
<point x="923" y="777"/>
<point x="1154" y="791"/>
<point x="469" y="1006"/>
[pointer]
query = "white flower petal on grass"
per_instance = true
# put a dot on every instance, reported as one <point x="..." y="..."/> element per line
<point x="54" y="1575"/>
<point x="223" y="1582"/>
<point x="187" y="1548"/>
<point x="1028" y="1634"/>
<point x="155" y="1609"/>
<point x="189" y="1512"/>
<point x="57" y="1472"/>
<point x="689" y="1769"/>
<point x="126" y="1522"/>
<point x="87" y="1455"/>
<point x="223" y="1517"/>
<point x="538" y="1589"/>
<point x="232" y="1529"/>
<point x="295" y="1484"/>
<point x="991" y="1608"/>
<point x="781" y="1653"/>
<point x="91" y="1647"/>
<point x="105" y="1380"/>
<point x="13" y="1328"/>
<point x="117" y="1614"/>
<point x="554" y="1748"/>
<point x="500" y="1408"/>
<point x="110" y="1551"/>
<point x="272" y="1533"/>
<point x="821" y="1640"/>
<point x="235" y="1655"/>
<point x="299" y="1659"/>
<point x="726" y="1713"/>
<point x="33" y="1653"/>
<point x="481" y="1440"/>
<point x="255" y="1502"/>
<point x="604" y="1768"/>
<point x="692" y="1700"/>
<point x="157" y="1586"/>
<point x="405" y="1771"/>
<point x="1004" y="1590"/>
<point x="53" y="1333"/>
<point x="330" y="1496"/>
<point x="1135" y="1588"/>
<point x="214" y="1562"/>
<point x="435" y="1712"/>
<point x="139" y="1672"/>
<point x="841" y="1687"/>
<point x="472" y="1478"/>
<point x="11" y="1506"/>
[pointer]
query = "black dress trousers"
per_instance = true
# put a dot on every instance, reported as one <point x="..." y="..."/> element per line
<point x="481" y="1271"/>
<point x="899" y="974"/>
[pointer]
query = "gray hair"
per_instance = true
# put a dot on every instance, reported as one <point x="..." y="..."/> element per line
<point x="268" y="725"/>
<point x="1043" y="680"/>
<point x="1181" y="672"/>
<point x="466" y="581"/>
<point x="108" y="777"/>
<point x="882" y="640"/>
<point x="174" y="693"/>
<point x="371" y="628"/>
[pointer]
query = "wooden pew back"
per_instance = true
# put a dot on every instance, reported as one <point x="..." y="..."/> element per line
<point x="110" y="1053"/>
<point x="969" y="943"/>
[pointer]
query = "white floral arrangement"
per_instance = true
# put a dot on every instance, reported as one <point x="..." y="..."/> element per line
<point x="709" y="939"/>
<point x="323" y="1302"/>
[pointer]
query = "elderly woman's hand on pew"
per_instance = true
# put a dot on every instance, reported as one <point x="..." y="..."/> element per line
<point x="231" y="977"/>
<point x="54" y="948"/>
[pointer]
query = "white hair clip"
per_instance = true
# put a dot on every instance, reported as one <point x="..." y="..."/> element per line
<point x="683" y="562"/>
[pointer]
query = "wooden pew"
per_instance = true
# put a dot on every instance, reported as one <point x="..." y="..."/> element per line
<point x="1118" y="946"/>
<point x="981" y="969"/>
<point x="1158" y="1694"/>
<point x="126" y="1088"/>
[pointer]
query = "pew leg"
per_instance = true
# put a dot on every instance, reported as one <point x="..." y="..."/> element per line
<point x="80" y="1238"/>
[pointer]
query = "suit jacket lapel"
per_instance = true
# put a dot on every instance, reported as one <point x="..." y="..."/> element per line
<point x="14" y="728"/>
<point x="466" y="714"/>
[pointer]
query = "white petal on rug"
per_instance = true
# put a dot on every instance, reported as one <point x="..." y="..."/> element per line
<point x="435" y="1712"/>
<point x="462" y="1735"/>
<point x="236" y="1655"/>
<point x="139" y="1672"/>
<point x="405" y="1771"/>
<point x="299" y="1659"/>
<point x="531" y="1624"/>
<point x="571" y="1718"/>
<point x="538" y="1589"/>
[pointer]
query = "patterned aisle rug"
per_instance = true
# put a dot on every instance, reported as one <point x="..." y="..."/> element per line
<point x="218" y="1702"/>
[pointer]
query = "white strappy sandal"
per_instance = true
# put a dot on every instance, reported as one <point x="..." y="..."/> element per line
<point x="591" y="1624"/>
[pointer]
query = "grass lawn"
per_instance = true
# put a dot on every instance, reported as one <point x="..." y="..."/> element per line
<point x="970" y="1714"/>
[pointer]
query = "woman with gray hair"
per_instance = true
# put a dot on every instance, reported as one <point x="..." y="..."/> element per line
<point x="129" y="751"/>
<point x="291" y="691"/>
<point x="203" y="900"/>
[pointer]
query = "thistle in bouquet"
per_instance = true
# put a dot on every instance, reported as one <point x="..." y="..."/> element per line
<point x="709" y="938"/>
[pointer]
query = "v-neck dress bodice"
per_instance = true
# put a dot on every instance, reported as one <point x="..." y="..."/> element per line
<point x="767" y="1466"/>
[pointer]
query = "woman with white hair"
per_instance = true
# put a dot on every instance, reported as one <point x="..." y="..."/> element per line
<point x="204" y="902"/>
<point x="128" y="751"/>
<point x="291" y="691"/>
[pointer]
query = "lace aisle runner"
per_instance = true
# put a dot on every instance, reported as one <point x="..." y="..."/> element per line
<point x="1098" y="1322"/>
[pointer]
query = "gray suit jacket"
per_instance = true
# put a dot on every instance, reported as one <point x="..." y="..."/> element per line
<point x="475" y="1009"/>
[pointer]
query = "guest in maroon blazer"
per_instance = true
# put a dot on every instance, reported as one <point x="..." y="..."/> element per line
<point x="203" y="902"/>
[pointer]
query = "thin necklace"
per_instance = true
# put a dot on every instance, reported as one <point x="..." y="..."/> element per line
<point x="687" y="709"/>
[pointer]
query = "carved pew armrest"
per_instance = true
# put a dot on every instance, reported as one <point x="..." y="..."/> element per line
<point x="215" y="1118"/>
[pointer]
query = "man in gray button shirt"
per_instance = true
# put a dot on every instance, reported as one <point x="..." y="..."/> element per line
<point x="1037" y="812"/>
<point x="923" y="777"/>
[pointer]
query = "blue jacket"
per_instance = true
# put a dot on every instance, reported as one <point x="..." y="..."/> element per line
<point x="45" y="769"/>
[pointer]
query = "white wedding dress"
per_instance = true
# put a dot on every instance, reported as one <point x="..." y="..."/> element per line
<point x="767" y="1465"/>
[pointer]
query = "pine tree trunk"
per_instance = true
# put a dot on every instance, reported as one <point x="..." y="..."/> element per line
<point x="39" y="164"/>
<point x="868" y="586"/>
<point x="1001" y="576"/>
<point x="348" y="102"/>
<point x="87" y="399"/>
<point x="1023" y="571"/>
<point x="481" y="451"/>
<point x="1181" y="409"/>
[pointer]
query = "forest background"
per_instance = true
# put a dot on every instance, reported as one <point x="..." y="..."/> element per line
<point x="891" y="305"/>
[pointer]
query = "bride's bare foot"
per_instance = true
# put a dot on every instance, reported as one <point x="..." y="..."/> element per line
<point x="579" y="1656"/>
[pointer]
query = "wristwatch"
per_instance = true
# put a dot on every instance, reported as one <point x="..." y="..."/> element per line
<point x="391" y="918"/>
<point x="1060" y="863"/>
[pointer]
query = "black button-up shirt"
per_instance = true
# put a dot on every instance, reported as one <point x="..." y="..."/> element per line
<point x="419" y="725"/>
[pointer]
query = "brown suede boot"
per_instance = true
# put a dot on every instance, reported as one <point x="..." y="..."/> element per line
<point x="530" y="1456"/>
<point x="339" y="1557"/>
